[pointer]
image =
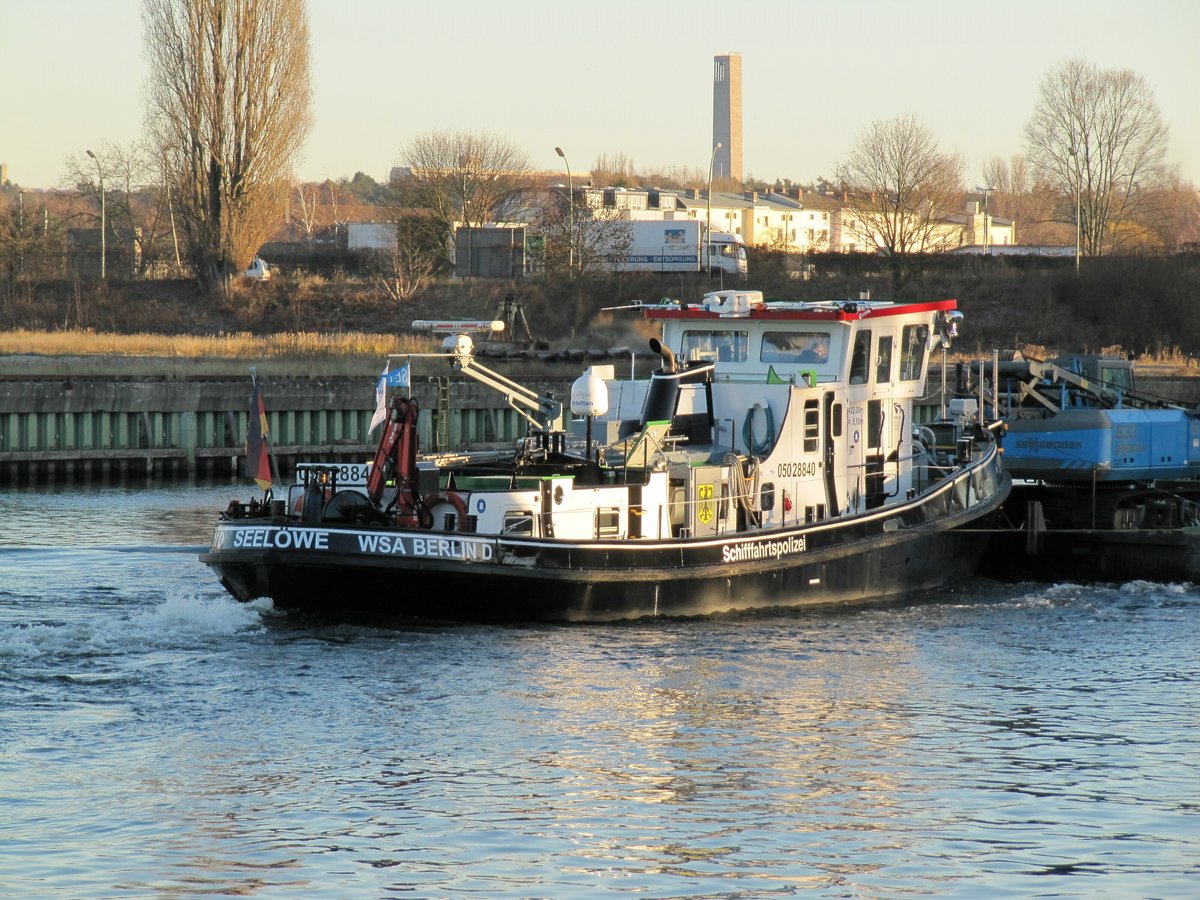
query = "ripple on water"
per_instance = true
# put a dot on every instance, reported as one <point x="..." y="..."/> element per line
<point x="157" y="738"/>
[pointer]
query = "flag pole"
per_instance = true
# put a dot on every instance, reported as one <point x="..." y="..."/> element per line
<point x="272" y="462"/>
<point x="408" y="358"/>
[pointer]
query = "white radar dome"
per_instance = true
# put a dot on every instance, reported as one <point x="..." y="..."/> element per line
<point x="589" y="394"/>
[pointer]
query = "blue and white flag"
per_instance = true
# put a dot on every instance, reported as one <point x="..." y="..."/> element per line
<point x="381" y="387"/>
<point x="399" y="378"/>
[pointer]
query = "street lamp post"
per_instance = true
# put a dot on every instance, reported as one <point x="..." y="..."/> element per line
<point x="570" y="213"/>
<point x="103" y="247"/>
<point x="708" y="212"/>
<point x="1078" y="203"/>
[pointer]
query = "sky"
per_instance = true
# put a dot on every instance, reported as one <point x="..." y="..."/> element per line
<point x="630" y="77"/>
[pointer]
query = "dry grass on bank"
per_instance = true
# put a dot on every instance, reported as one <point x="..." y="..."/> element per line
<point x="26" y="353"/>
<point x="240" y="346"/>
<point x="30" y="354"/>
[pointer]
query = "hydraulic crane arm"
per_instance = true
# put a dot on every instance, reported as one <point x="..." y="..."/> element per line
<point x="397" y="457"/>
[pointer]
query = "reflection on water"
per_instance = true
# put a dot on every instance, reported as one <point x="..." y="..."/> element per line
<point x="158" y="738"/>
<point x="77" y="516"/>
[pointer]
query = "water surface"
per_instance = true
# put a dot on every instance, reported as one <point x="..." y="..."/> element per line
<point x="157" y="738"/>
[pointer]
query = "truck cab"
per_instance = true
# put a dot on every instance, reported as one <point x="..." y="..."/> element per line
<point x="726" y="253"/>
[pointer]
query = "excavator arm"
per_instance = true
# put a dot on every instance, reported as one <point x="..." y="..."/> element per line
<point x="1049" y="375"/>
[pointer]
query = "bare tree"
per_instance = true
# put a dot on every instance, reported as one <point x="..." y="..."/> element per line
<point x="464" y="177"/>
<point x="1168" y="219"/>
<point x="137" y="200"/>
<point x="229" y="101"/>
<point x="901" y="187"/>
<point x="131" y="211"/>
<point x="19" y="234"/>
<point x="333" y="198"/>
<point x="1189" y="219"/>
<point x="581" y="240"/>
<point x="1098" y="138"/>
<point x="406" y="269"/>
<point x="614" y="171"/>
<point x="558" y="221"/>
<point x="305" y="209"/>
<point x="677" y="178"/>
<point x="33" y="235"/>
<point x="1033" y="205"/>
<point x="1009" y="180"/>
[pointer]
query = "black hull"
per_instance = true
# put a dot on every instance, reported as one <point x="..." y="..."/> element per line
<point x="493" y="594"/>
<point x="916" y="546"/>
<point x="1071" y="548"/>
<point x="1090" y="555"/>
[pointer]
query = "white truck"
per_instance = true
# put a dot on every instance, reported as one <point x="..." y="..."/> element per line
<point x="677" y="246"/>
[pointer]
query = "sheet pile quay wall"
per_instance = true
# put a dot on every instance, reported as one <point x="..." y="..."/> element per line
<point x="56" y="428"/>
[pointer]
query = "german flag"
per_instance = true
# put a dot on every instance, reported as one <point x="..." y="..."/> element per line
<point x="258" y="463"/>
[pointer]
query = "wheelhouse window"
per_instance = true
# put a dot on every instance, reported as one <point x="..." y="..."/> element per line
<point x="883" y="360"/>
<point x="860" y="358"/>
<point x="913" y="342"/>
<point x="726" y="346"/>
<point x="795" y="347"/>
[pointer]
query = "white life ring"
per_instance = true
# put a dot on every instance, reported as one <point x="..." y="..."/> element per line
<point x="445" y="503"/>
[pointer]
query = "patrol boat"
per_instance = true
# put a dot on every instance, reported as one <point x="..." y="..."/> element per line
<point x="771" y="460"/>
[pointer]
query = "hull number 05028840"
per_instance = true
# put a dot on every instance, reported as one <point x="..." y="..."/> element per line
<point x="796" y="469"/>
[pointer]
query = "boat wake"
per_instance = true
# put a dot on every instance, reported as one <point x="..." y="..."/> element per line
<point x="1098" y="597"/>
<point x="196" y="614"/>
<point x="185" y="618"/>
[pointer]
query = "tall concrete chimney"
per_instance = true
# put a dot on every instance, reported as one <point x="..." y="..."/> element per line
<point x="727" y="115"/>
